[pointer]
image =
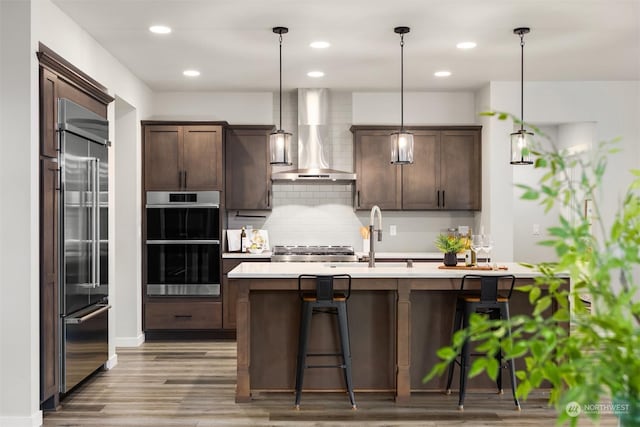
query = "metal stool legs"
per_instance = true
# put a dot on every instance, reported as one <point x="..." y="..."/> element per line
<point x="338" y="308"/>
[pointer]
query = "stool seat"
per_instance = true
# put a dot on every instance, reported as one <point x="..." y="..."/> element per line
<point x="487" y="301"/>
<point x="328" y="301"/>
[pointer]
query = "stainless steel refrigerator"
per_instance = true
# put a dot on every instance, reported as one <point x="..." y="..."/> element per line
<point x="84" y="212"/>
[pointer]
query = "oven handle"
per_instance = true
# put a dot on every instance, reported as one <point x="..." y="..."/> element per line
<point x="183" y="242"/>
<point x="184" y="205"/>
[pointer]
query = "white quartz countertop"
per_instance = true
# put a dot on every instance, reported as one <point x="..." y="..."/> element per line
<point x="273" y="270"/>
<point x="240" y="255"/>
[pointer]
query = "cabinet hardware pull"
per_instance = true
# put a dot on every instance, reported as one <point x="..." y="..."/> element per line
<point x="179" y="179"/>
<point x="443" y="204"/>
<point x="358" y="198"/>
<point x="438" y="191"/>
<point x="182" y="316"/>
<point x="268" y="198"/>
<point x="185" y="179"/>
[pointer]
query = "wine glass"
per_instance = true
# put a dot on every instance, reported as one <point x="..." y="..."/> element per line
<point x="477" y="244"/>
<point x="487" y="246"/>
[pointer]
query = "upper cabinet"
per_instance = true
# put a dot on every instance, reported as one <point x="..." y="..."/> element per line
<point x="182" y="157"/>
<point x="445" y="174"/>
<point x="247" y="168"/>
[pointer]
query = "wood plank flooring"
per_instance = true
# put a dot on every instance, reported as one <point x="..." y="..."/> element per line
<point x="192" y="384"/>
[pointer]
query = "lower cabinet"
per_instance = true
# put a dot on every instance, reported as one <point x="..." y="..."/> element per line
<point x="183" y="315"/>
<point x="230" y="293"/>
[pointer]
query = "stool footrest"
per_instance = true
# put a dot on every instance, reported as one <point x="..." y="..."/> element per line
<point x="326" y="366"/>
<point x="324" y="354"/>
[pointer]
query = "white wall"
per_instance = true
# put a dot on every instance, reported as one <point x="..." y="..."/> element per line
<point x="19" y="247"/>
<point x="614" y="107"/>
<point x="24" y="24"/>
<point x="233" y="107"/>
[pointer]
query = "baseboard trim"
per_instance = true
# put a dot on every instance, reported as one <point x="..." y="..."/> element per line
<point x="112" y="362"/>
<point x="130" y="341"/>
<point x="35" y="420"/>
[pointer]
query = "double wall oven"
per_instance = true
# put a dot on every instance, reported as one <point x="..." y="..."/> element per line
<point x="183" y="243"/>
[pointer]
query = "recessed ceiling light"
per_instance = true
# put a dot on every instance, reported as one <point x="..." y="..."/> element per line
<point x="160" y="29"/>
<point x="315" y="74"/>
<point x="191" y="73"/>
<point x="466" y="45"/>
<point x="320" y="45"/>
<point x="442" y="73"/>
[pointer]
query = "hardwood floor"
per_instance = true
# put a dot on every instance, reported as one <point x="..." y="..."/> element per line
<point x="192" y="384"/>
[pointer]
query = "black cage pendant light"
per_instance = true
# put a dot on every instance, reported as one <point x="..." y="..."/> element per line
<point x="521" y="140"/>
<point x="280" y="141"/>
<point x="401" y="141"/>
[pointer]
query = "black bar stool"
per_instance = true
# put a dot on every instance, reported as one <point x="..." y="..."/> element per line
<point x="489" y="302"/>
<point x="324" y="300"/>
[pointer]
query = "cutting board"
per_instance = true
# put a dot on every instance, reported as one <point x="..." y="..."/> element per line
<point x="475" y="267"/>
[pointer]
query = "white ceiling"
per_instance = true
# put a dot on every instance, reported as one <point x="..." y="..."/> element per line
<point x="232" y="44"/>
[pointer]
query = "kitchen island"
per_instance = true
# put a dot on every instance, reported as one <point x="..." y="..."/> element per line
<point x="398" y="317"/>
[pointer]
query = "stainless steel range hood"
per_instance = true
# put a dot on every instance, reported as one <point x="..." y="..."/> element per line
<point x="313" y="138"/>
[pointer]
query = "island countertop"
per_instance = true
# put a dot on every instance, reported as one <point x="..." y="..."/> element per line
<point x="426" y="270"/>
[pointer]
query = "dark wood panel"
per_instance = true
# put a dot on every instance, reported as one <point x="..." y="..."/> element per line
<point x="162" y="170"/>
<point x="183" y="315"/>
<point x="275" y="319"/>
<point x="420" y="180"/>
<point x="202" y="157"/>
<point x="247" y="168"/>
<point x="66" y="89"/>
<point x="49" y="313"/>
<point x="230" y="291"/>
<point x="378" y="181"/>
<point x="461" y="170"/>
<point x="48" y="113"/>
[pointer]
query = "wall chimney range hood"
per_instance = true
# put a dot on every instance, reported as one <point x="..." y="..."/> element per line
<point x="313" y="137"/>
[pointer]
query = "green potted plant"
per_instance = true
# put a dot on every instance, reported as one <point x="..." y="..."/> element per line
<point x="588" y="353"/>
<point x="450" y="245"/>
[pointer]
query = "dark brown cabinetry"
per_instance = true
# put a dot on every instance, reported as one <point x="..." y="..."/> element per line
<point x="49" y="288"/>
<point x="229" y="293"/>
<point x="183" y="315"/>
<point x="182" y="157"/>
<point x="445" y="175"/>
<point x="247" y="169"/>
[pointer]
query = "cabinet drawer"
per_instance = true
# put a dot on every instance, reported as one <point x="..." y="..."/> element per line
<point x="183" y="315"/>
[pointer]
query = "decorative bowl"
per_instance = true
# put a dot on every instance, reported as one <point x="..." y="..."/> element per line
<point x="255" y="250"/>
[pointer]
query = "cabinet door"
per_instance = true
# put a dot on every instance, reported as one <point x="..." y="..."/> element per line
<point x="162" y="168"/>
<point x="49" y="279"/>
<point x="420" y="180"/>
<point x="460" y="175"/>
<point x="378" y="182"/>
<point x="202" y="158"/>
<point x="48" y="113"/>
<point x="247" y="168"/>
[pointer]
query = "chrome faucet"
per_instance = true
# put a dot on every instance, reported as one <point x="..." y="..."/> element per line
<point x="372" y="252"/>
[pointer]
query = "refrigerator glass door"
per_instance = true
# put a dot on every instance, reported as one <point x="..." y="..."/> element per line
<point x="101" y="290"/>
<point x="77" y="200"/>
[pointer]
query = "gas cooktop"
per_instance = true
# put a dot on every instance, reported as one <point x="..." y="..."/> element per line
<point x="314" y="254"/>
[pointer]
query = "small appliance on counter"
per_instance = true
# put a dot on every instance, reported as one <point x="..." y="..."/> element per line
<point x="257" y="240"/>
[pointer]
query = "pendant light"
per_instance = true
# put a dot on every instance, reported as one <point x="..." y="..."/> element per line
<point x="280" y="141"/>
<point x="401" y="141"/>
<point x="521" y="140"/>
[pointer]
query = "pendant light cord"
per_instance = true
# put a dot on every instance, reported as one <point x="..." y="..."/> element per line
<point x="522" y="81"/>
<point x="280" y="81"/>
<point x="401" y="82"/>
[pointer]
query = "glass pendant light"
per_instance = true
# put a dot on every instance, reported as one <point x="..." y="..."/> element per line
<point x="521" y="140"/>
<point x="401" y="141"/>
<point x="280" y="141"/>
